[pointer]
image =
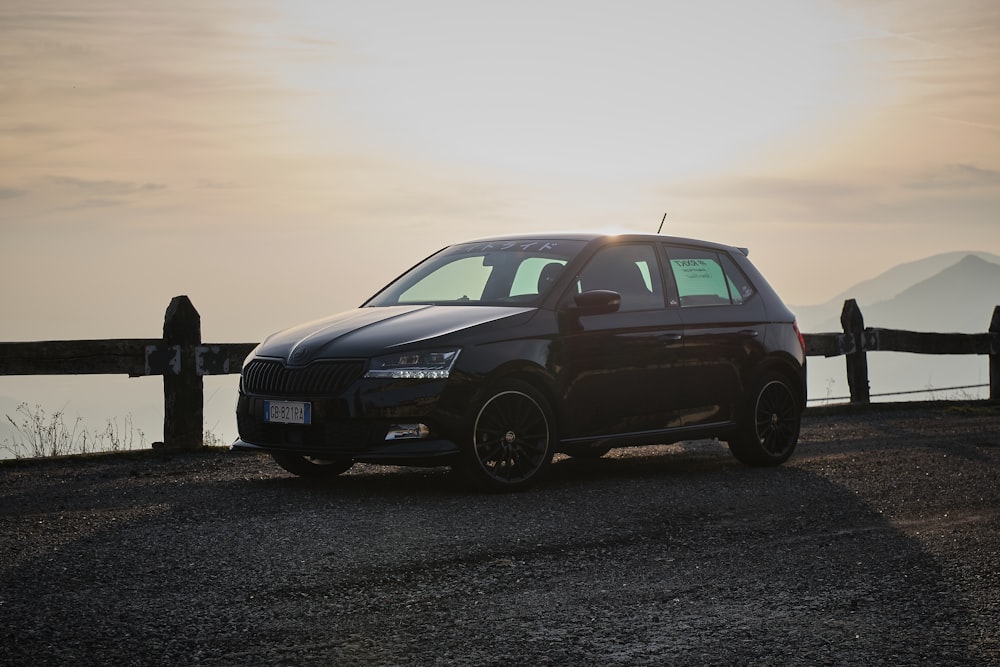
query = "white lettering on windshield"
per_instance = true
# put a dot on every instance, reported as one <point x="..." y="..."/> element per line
<point x="538" y="246"/>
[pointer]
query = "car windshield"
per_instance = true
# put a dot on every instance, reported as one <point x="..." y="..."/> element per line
<point x="514" y="272"/>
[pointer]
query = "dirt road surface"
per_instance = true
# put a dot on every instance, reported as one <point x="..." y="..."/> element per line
<point x="877" y="544"/>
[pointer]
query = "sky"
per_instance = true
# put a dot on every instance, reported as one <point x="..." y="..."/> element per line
<point x="281" y="160"/>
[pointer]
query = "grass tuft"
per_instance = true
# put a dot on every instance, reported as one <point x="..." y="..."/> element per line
<point x="39" y="434"/>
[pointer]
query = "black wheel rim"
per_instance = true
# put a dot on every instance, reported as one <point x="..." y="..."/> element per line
<point x="512" y="437"/>
<point x="777" y="418"/>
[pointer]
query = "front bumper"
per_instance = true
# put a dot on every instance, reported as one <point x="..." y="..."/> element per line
<point x="358" y="423"/>
<point x="339" y="438"/>
<point x="397" y="452"/>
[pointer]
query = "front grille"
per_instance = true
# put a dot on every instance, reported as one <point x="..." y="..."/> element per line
<point x="320" y="378"/>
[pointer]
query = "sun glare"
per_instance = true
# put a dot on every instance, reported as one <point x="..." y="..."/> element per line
<point x="664" y="90"/>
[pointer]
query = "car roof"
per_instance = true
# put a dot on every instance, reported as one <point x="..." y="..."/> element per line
<point x="597" y="235"/>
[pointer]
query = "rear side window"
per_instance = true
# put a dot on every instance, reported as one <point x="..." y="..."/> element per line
<point x="706" y="278"/>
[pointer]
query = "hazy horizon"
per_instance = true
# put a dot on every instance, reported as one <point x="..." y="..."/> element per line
<point x="278" y="161"/>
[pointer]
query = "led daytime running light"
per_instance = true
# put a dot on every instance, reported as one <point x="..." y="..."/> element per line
<point x="420" y="365"/>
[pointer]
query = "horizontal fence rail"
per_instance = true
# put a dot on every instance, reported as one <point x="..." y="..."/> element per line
<point x="126" y="356"/>
<point x="897" y="340"/>
<point x="183" y="360"/>
<point x="180" y="357"/>
<point x="134" y="357"/>
<point x="856" y="340"/>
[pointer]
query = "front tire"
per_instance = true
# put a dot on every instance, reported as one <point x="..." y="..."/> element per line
<point x="769" y="427"/>
<point x="511" y="439"/>
<point x="307" y="466"/>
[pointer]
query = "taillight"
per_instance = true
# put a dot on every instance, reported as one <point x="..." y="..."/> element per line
<point x="802" y="340"/>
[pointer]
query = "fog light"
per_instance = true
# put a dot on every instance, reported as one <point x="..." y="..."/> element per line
<point x="407" y="432"/>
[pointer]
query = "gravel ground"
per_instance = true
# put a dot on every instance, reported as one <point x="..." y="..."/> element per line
<point x="877" y="544"/>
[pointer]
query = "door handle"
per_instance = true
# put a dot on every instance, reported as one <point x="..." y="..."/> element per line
<point x="749" y="333"/>
<point x="671" y="338"/>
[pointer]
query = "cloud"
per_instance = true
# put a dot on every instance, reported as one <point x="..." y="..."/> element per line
<point x="992" y="127"/>
<point x="772" y="187"/>
<point x="10" y="193"/>
<point x="950" y="54"/>
<point x="957" y="192"/>
<point x="96" y="203"/>
<point x="115" y="50"/>
<point x="105" y="187"/>
<point x="956" y="177"/>
<point x="22" y="129"/>
<point x="208" y="184"/>
<point x="119" y="79"/>
<point x="771" y="198"/>
<point x="50" y="200"/>
<point x="865" y="185"/>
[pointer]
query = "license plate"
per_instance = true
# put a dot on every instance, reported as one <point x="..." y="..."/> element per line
<point x="287" y="412"/>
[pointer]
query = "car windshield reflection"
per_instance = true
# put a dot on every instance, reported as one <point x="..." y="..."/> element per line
<point x="497" y="273"/>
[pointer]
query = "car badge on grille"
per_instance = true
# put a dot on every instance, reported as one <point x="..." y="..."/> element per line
<point x="298" y="354"/>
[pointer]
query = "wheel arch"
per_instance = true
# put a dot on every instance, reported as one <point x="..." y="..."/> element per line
<point x="789" y="368"/>
<point x="508" y="450"/>
<point x="532" y="374"/>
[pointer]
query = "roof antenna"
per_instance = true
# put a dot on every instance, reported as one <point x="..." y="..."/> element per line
<point x="664" y="219"/>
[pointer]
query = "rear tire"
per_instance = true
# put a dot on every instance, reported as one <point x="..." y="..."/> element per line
<point x="509" y="439"/>
<point x="769" y="426"/>
<point x="308" y="466"/>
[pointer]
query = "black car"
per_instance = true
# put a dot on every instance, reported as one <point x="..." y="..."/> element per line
<point x="492" y="355"/>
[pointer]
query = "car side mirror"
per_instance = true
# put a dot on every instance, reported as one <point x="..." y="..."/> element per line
<point x="597" y="302"/>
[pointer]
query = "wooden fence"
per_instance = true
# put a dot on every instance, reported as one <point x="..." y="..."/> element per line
<point x="182" y="359"/>
<point x="856" y="341"/>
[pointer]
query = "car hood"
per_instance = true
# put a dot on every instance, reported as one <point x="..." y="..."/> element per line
<point x="366" y="332"/>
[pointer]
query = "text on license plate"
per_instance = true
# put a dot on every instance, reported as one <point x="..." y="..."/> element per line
<point x="287" y="412"/>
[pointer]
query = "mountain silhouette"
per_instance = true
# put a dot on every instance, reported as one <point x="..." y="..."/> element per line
<point x="948" y="293"/>
<point x="959" y="299"/>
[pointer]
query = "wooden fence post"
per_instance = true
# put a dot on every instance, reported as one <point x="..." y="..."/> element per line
<point x="995" y="355"/>
<point x="183" y="394"/>
<point x="853" y="323"/>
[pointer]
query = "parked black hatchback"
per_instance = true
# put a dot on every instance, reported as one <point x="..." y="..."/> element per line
<point x="492" y="355"/>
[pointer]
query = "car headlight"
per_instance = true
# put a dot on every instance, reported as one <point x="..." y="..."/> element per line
<point x="417" y="365"/>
